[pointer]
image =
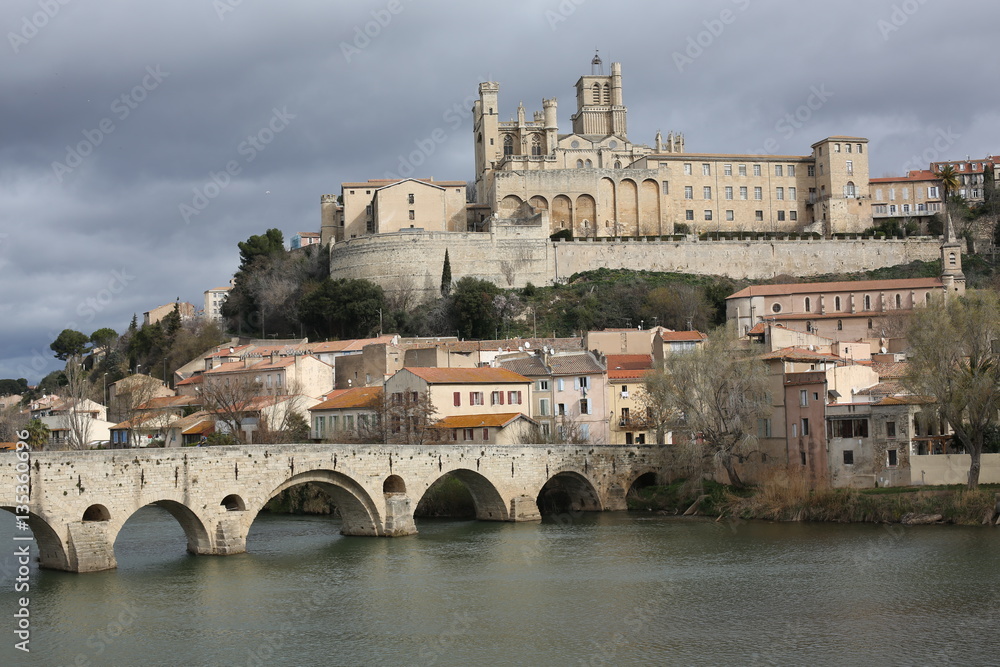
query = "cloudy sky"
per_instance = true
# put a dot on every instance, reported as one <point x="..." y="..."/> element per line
<point x="142" y="141"/>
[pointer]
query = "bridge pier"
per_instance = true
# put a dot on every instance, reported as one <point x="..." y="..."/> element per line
<point x="90" y="548"/>
<point x="230" y="538"/>
<point x="399" y="515"/>
<point x="524" y="508"/>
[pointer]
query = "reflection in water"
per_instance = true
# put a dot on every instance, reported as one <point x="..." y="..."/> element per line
<point x="577" y="587"/>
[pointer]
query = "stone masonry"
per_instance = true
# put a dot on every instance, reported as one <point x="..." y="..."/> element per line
<point x="79" y="501"/>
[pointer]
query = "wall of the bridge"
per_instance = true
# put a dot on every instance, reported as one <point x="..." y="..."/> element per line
<point x="79" y="501"/>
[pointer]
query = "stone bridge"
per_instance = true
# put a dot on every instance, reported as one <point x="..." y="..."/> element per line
<point x="79" y="501"/>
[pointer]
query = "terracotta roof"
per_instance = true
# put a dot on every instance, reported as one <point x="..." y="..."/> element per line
<point x="889" y="369"/>
<point x="905" y="400"/>
<point x="140" y="419"/>
<point x="467" y="375"/>
<point x="621" y="362"/>
<point x="628" y="374"/>
<point x="800" y="354"/>
<point x="356" y="397"/>
<point x="757" y="329"/>
<point x="840" y="286"/>
<point x="161" y="402"/>
<point x="202" y="427"/>
<point x="197" y="378"/>
<point x="681" y="336"/>
<point x="914" y="175"/>
<point x="479" y="421"/>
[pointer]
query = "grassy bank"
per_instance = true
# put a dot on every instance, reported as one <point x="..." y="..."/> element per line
<point x="784" y="501"/>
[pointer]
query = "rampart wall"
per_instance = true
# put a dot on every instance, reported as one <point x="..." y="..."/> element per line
<point x="516" y="255"/>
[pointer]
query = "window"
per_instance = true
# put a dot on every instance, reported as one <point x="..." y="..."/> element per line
<point x="803" y="397"/>
<point x="589" y="164"/>
<point x="776" y="308"/>
<point x="582" y="382"/>
<point x="791" y="170"/>
<point x="892" y="458"/>
<point x="536" y="145"/>
<point x="756" y="170"/>
<point x="729" y="215"/>
<point x="579" y="164"/>
<point x="496" y="398"/>
<point x="808" y="305"/>
<point x="758" y="216"/>
<point x="542" y="385"/>
<point x="743" y="170"/>
<point x="412" y="215"/>
<point x="792" y="194"/>
<point x="585" y="407"/>
<point x="840" y="325"/>
<point x="795" y="434"/>
<point x="727" y="169"/>
<point x="848" y="457"/>
<point x="687" y="168"/>
<point x="708" y="214"/>
<point x="706" y="170"/>
<point x="409" y="199"/>
<point x="729" y="192"/>
<point x="781" y="216"/>
<point x="348" y="422"/>
<point x="805" y="426"/>
<point x="906" y="193"/>
<point x="475" y="398"/>
<point x="779" y="193"/>
<point x="706" y="192"/>
<point x="743" y="192"/>
<point x="870" y="324"/>
<point x="868" y="302"/>
<point x="468" y="434"/>
<point x="849" y="190"/>
<point x="561" y="409"/>
<point x="899" y="301"/>
<point x="763" y="428"/>
<point x="320" y="426"/>
<point x="513" y="398"/>
<point x="847" y="428"/>
<point x="688" y="192"/>
<point x="932" y="193"/>
<point x="543" y="407"/>
<point x="793" y="215"/>
<point x="850" y="167"/>
<point x="508" y="145"/>
<point x="859" y="148"/>
<point x="890" y="429"/>
<point x="689" y="214"/>
<point x="836" y="148"/>
<point x="758" y="193"/>
<point x="666" y="188"/>
<point x="458" y="398"/>
<point x="777" y="170"/>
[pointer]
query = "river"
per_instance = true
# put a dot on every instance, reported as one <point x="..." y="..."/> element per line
<point x="595" y="589"/>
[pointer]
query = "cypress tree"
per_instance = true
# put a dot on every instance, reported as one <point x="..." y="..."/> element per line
<point x="446" y="275"/>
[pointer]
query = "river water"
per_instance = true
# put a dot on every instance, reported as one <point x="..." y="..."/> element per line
<point x="595" y="589"/>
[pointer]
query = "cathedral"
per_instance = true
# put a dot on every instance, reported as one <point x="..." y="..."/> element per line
<point x="593" y="182"/>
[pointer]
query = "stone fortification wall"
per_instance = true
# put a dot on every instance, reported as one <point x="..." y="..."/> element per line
<point x="515" y="255"/>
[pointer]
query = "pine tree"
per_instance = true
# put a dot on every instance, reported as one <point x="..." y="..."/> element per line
<point x="446" y="275"/>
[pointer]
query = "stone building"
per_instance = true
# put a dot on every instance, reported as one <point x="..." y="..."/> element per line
<point x="914" y="196"/>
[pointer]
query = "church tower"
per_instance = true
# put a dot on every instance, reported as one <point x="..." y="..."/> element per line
<point x="600" y="110"/>
<point x="951" y="261"/>
<point x="485" y="126"/>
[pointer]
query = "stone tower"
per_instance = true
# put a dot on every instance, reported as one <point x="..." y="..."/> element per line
<point x="600" y="110"/>
<point x="485" y="125"/>
<point x="952" y="276"/>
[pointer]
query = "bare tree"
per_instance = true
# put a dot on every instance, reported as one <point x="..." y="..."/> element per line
<point x="12" y="422"/>
<point x="131" y="394"/>
<point x="76" y="394"/>
<point x="400" y="418"/>
<point x="230" y="399"/>
<point x="717" y="392"/>
<point x="955" y="359"/>
<point x="655" y="398"/>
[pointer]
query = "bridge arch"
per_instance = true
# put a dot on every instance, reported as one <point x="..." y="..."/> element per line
<point x="490" y="505"/>
<point x="198" y="539"/>
<point x="358" y="512"/>
<point x="568" y="491"/>
<point x="234" y="503"/>
<point x="51" y="548"/>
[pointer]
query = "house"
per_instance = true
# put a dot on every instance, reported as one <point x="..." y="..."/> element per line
<point x="914" y="196"/>
<point x="74" y="423"/>
<point x="187" y="311"/>
<point x="214" y="298"/>
<point x="505" y="428"/>
<point x="346" y="413"/>
<point x="625" y="386"/>
<point x="304" y="240"/>
<point x="189" y="430"/>
<point x="276" y="374"/>
<point x="261" y="417"/>
<point x="667" y="342"/>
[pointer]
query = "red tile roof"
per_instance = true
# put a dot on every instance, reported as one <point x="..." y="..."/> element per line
<point x="841" y="286"/>
<point x="620" y="362"/>
<point x="479" y="421"/>
<point x="356" y="397"/>
<point x="681" y="336"/>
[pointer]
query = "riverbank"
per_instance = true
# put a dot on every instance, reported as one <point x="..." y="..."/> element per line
<point x="790" y="502"/>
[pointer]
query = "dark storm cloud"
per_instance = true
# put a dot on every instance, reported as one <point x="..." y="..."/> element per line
<point x="361" y="88"/>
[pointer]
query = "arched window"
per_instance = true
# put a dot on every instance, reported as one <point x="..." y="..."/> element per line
<point x="868" y="303"/>
<point x="836" y="303"/>
<point x="589" y="164"/>
<point x="536" y="145"/>
<point x="951" y="259"/>
<point x="899" y="301"/>
<point x="809" y="326"/>
<point x="849" y="189"/>
<point x="927" y="297"/>
<point x="840" y="325"/>
<point x="607" y="94"/>
<point x="579" y="164"/>
<point x="808" y="305"/>
<point x="508" y="145"/>
<point x="618" y="164"/>
<point x="597" y="93"/>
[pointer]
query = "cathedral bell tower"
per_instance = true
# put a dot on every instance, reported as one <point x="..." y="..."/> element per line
<point x="600" y="110"/>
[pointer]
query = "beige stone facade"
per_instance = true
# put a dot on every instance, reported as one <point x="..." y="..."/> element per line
<point x="916" y="195"/>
